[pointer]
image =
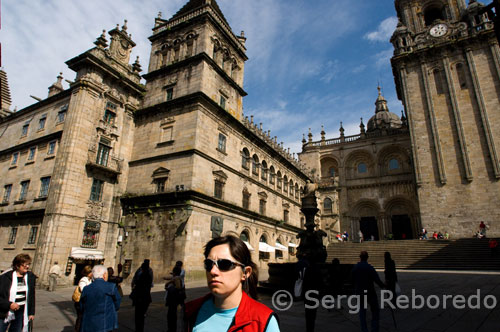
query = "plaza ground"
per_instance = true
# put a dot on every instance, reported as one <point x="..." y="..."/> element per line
<point x="55" y="311"/>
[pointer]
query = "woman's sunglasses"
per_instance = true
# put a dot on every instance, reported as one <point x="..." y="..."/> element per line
<point x="223" y="265"/>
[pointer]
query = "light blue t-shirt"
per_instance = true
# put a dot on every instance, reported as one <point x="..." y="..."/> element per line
<point x="212" y="319"/>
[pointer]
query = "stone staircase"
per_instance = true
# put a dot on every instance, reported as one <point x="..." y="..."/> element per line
<point x="462" y="254"/>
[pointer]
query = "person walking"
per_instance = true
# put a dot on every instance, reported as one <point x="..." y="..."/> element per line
<point x="364" y="276"/>
<point x="54" y="273"/>
<point x="82" y="283"/>
<point x="100" y="302"/>
<point x="174" y="297"/>
<point x="17" y="295"/>
<point x="141" y="293"/>
<point x="391" y="277"/>
<point x="232" y="279"/>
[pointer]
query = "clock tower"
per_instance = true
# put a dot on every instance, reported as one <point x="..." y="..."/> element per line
<point x="446" y="66"/>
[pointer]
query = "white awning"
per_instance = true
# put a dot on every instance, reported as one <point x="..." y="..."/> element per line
<point x="249" y="246"/>
<point x="279" y="246"/>
<point x="264" y="247"/>
<point x="292" y="245"/>
<point x="87" y="254"/>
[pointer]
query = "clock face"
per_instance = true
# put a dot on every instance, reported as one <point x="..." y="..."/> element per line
<point x="438" y="30"/>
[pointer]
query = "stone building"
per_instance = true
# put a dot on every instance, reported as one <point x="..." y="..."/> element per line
<point x="366" y="180"/>
<point x="114" y="171"/>
<point x="446" y="66"/>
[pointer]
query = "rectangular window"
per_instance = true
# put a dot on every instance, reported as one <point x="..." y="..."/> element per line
<point x="52" y="148"/>
<point x="170" y="93"/>
<point x="12" y="235"/>
<point x="285" y="215"/>
<point x="7" y="189"/>
<point x="103" y="154"/>
<point x="278" y="254"/>
<point x="223" y="102"/>
<point x="166" y="134"/>
<point x="160" y="184"/>
<point x="61" y="115"/>
<point x="218" y="189"/>
<point x="24" y="190"/>
<point x="262" y="207"/>
<point x="91" y="234"/>
<point x="96" y="190"/>
<point x="31" y="153"/>
<point x="41" y="123"/>
<point x="44" y="186"/>
<point x="109" y="117"/>
<point x="15" y="158"/>
<point x="222" y="143"/>
<point x="33" y="235"/>
<point x="246" y="200"/>
<point x="110" y="113"/>
<point x="24" y="131"/>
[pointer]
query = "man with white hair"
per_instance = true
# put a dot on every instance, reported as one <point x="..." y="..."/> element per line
<point x="99" y="302"/>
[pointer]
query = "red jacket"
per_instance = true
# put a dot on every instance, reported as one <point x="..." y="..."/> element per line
<point x="251" y="316"/>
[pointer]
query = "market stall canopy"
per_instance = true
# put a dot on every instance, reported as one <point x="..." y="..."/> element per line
<point x="264" y="247"/>
<point x="86" y="254"/>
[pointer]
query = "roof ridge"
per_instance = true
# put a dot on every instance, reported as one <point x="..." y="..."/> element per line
<point x="192" y="5"/>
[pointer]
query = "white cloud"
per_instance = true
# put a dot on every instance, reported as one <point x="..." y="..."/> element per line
<point x="384" y="30"/>
<point x="383" y="58"/>
<point x="359" y="69"/>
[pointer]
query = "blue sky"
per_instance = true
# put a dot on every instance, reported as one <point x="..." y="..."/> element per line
<point x="311" y="63"/>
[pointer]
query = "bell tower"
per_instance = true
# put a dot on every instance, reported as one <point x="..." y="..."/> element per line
<point x="446" y="66"/>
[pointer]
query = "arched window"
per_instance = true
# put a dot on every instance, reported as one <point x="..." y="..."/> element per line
<point x="244" y="236"/>
<point x="331" y="172"/>
<point x="278" y="253"/>
<point x="362" y="168"/>
<point x="461" y="76"/>
<point x="285" y="184"/>
<point x="245" y="158"/>
<point x="327" y="206"/>
<point x="272" y="175"/>
<point x="296" y="191"/>
<point x="280" y="179"/>
<point x="264" y="170"/>
<point x="255" y="165"/>
<point x="264" y="248"/>
<point x="393" y="164"/>
<point x="291" y="188"/>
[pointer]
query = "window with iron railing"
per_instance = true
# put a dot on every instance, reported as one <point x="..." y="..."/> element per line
<point x="91" y="234"/>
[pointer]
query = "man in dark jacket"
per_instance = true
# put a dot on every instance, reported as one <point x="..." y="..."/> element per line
<point x="99" y="302"/>
<point x="141" y="293"/>
<point x="17" y="299"/>
<point x="364" y="275"/>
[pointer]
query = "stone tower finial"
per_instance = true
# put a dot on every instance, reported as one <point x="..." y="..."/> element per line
<point x="136" y="67"/>
<point x="159" y="15"/>
<point x="101" y="41"/>
<point x="322" y="133"/>
<point x="304" y="139"/>
<point x="124" y="26"/>
<point x="362" y="127"/>
<point x="310" y="136"/>
<point x="57" y="86"/>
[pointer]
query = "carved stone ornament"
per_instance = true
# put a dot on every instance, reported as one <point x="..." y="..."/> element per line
<point x="216" y="226"/>
<point x="94" y="211"/>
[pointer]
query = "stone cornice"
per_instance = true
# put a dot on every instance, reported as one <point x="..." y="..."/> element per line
<point x="28" y="144"/>
<point x="145" y="202"/>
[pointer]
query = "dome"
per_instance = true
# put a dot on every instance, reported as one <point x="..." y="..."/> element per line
<point x="383" y="118"/>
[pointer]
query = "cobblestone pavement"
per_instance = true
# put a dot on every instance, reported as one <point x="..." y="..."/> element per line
<point x="55" y="311"/>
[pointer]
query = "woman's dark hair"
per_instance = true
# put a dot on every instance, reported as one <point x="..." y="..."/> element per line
<point x="387" y="256"/>
<point x="240" y="252"/>
<point x="19" y="260"/>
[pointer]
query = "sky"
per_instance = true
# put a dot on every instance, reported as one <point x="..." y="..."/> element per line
<point x="311" y="63"/>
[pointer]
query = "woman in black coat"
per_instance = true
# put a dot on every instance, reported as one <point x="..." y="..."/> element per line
<point x="17" y="295"/>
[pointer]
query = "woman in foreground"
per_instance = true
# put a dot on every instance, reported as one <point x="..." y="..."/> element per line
<point x="232" y="279"/>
